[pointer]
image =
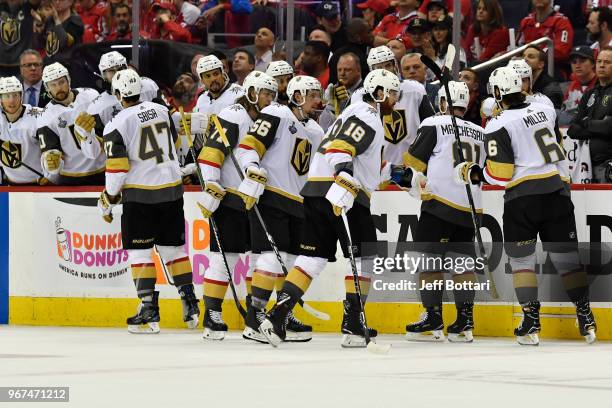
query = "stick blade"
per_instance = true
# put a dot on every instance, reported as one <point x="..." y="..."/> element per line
<point x="314" y="312"/>
<point x="378" y="348"/>
<point x="429" y="63"/>
<point x="450" y="57"/>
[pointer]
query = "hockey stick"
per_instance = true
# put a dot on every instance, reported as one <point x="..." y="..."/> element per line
<point x="213" y="224"/>
<point x="19" y="162"/>
<point x="371" y="345"/>
<point x="307" y="308"/>
<point x="443" y="77"/>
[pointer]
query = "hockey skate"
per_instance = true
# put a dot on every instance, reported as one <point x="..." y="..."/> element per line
<point x="586" y="321"/>
<point x="353" y="335"/>
<point x="429" y="328"/>
<point x="214" y="326"/>
<point x="527" y="332"/>
<point x="191" y="310"/>
<point x="274" y="327"/>
<point x="461" y="330"/>
<point x="297" y="331"/>
<point x="146" y="319"/>
<point x="253" y="321"/>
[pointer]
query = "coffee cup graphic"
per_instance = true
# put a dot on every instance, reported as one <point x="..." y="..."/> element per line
<point x="64" y="245"/>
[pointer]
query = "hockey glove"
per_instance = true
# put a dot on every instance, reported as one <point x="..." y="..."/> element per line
<point x="52" y="162"/>
<point x="83" y="127"/>
<point x="341" y="93"/>
<point x="198" y="122"/>
<point x="467" y="172"/>
<point x="188" y="169"/>
<point x="418" y="185"/>
<point x="342" y="193"/>
<point x="213" y="194"/>
<point x="106" y="203"/>
<point x="253" y="185"/>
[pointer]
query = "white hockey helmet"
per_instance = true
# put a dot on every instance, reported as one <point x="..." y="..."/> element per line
<point x="127" y="82"/>
<point x="302" y="84"/>
<point x="54" y="71"/>
<point x="208" y="63"/>
<point x="505" y="81"/>
<point x="379" y="55"/>
<point x="110" y="60"/>
<point x="522" y="67"/>
<point x="278" y="68"/>
<point x="388" y="81"/>
<point x="459" y="94"/>
<point x="9" y="85"/>
<point x="258" y="80"/>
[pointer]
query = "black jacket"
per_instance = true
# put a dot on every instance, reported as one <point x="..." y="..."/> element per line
<point x="360" y="50"/>
<point x="593" y="122"/>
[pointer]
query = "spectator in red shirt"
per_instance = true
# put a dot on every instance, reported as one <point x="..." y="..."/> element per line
<point x="546" y="22"/>
<point x="122" y="21"/>
<point x="314" y="62"/>
<point x="167" y="27"/>
<point x="583" y="78"/>
<point x="374" y="11"/>
<point x="92" y="14"/>
<point x="493" y="36"/>
<point x="394" y="25"/>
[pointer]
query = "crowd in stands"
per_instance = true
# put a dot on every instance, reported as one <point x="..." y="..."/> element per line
<point x="35" y="33"/>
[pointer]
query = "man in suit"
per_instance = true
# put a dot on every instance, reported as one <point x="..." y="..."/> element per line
<point x="31" y="68"/>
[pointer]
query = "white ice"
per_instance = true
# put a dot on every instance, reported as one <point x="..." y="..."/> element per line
<point x="176" y="368"/>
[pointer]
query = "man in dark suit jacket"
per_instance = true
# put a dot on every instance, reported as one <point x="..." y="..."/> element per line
<point x="31" y="67"/>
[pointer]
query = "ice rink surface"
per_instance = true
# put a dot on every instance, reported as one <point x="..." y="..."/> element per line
<point x="176" y="368"/>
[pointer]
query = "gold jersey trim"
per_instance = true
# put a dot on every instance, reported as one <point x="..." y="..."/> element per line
<point x="156" y="187"/>
<point x="516" y="182"/>
<point x="500" y="170"/>
<point x="276" y="190"/>
<point x="427" y="197"/>
<point x="89" y="173"/>
<point x="411" y="161"/>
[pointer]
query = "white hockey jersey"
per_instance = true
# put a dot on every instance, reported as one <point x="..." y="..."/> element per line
<point x="56" y="131"/>
<point x="523" y="151"/>
<point x="357" y="136"/>
<point x="539" y="98"/>
<point x="106" y="106"/>
<point x="20" y="145"/>
<point x="212" y="106"/>
<point x="435" y="151"/>
<point x="402" y="124"/>
<point x="282" y="145"/>
<point x="214" y="160"/>
<point x="140" y="146"/>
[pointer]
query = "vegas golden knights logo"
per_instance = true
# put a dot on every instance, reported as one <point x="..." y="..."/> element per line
<point x="10" y="155"/>
<point x="11" y="31"/>
<point x="300" y="159"/>
<point x="395" y="126"/>
<point x="52" y="44"/>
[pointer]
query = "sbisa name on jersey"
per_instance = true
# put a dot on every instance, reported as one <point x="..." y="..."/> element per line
<point x="534" y="119"/>
<point x="463" y="131"/>
<point x="147" y="115"/>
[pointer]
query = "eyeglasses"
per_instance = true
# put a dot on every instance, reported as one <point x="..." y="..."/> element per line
<point x="32" y="65"/>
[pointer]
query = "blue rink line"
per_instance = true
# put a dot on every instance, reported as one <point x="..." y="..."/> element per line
<point x="4" y="258"/>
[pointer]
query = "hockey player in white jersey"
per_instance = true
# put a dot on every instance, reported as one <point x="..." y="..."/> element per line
<point x="220" y="92"/>
<point x="523" y="156"/>
<point x="222" y="200"/>
<point x="142" y="172"/>
<point x="343" y="173"/>
<point x="276" y="155"/>
<point x="19" y="150"/>
<point x="522" y="67"/>
<point x="445" y="228"/>
<point x="282" y="72"/>
<point x="106" y="106"/>
<point x="59" y="143"/>
<point x="410" y="110"/>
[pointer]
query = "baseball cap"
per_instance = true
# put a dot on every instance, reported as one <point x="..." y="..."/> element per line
<point x="418" y="24"/>
<point x="583" y="51"/>
<point x="327" y="9"/>
<point x="437" y="3"/>
<point x="379" y="6"/>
